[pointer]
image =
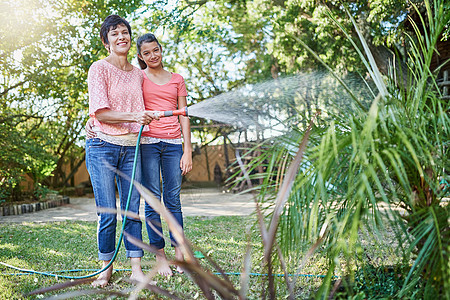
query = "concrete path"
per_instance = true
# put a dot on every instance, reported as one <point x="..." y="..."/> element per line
<point x="195" y="202"/>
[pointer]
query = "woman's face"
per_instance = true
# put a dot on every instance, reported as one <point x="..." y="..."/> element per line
<point x="151" y="54"/>
<point x="119" y="40"/>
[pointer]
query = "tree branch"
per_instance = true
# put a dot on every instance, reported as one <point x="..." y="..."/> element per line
<point x="5" y="91"/>
<point x="27" y="117"/>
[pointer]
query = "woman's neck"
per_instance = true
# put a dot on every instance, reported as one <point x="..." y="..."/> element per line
<point x="120" y="61"/>
<point x="158" y="75"/>
<point x="157" y="71"/>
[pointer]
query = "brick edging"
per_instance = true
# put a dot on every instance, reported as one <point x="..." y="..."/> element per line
<point x="18" y="209"/>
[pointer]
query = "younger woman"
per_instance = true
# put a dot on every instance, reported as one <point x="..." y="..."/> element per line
<point x="163" y="156"/>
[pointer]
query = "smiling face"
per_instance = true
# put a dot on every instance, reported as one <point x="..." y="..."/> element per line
<point x="151" y="54"/>
<point x="119" y="40"/>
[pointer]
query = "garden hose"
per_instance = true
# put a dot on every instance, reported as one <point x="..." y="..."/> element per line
<point x="30" y="272"/>
<point x="121" y="232"/>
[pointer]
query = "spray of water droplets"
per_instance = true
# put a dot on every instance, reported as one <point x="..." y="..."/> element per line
<point x="275" y="103"/>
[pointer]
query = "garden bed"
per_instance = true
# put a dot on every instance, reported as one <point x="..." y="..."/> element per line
<point x="23" y="208"/>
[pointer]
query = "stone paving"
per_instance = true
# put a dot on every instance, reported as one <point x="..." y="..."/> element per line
<point x="209" y="202"/>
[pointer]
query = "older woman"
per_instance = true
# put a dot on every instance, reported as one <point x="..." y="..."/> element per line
<point x="117" y="108"/>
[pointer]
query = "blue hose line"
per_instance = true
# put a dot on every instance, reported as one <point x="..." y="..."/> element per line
<point x="279" y="275"/>
<point x="30" y="272"/>
<point x="121" y="232"/>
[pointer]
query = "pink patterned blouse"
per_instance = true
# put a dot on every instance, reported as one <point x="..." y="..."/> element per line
<point x="118" y="90"/>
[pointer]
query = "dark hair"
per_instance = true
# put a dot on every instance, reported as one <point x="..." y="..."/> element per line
<point x="110" y="23"/>
<point x="146" y="38"/>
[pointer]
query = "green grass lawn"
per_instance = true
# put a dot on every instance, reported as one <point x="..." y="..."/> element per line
<point x="72" y="245"/>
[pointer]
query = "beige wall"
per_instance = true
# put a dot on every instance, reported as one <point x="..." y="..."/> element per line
<point x="82" y="175"/>
<point x="199" y="166"/>
<point x="215" y="155"/>
<point x="27" y="184"/>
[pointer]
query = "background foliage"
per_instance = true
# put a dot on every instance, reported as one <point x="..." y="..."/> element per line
<point x="47" y="47"/>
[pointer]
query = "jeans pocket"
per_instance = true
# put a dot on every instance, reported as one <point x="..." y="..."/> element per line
<point x="96" y="143"/>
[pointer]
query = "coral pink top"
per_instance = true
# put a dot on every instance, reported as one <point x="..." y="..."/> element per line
<point x="161" y="98"/>
<point x="115" y="89"/>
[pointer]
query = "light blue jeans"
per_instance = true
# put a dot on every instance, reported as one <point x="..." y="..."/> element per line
<point x="102" y="159"/>
<point x="162" y="158"/>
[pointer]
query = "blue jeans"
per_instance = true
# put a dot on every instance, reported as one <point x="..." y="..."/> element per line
<point x="162" y="158"/>
<point x="102" y="159"/>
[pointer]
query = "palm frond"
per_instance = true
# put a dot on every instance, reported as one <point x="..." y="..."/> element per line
<point x="375" y="167"/>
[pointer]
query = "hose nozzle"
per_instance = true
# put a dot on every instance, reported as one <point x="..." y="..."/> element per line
<point x="179" y="112"/>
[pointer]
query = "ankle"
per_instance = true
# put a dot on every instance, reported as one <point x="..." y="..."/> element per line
<point x="135" y="264"/>
<point x="161" y="254"/>
<point x="179" y="254"/>
<point x="105" y="264"/>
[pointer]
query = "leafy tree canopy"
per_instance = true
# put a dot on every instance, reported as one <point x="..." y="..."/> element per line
<point x="46" y="48"/>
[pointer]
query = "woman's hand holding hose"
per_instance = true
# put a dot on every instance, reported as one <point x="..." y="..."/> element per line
<point x="145" y="117"/>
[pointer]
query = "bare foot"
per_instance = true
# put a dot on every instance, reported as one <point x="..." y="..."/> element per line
<point x="137" y="274"/>
<point x="179" y="257"/>
<point x="163" y="264"/>
<point x="136" y="270"/>
<point x="103" y="279"/>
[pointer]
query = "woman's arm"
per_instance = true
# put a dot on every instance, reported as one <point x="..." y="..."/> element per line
<point x="186" y="159"/>
<point x="116" y="117"/>
<point x="113" y="117"/>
